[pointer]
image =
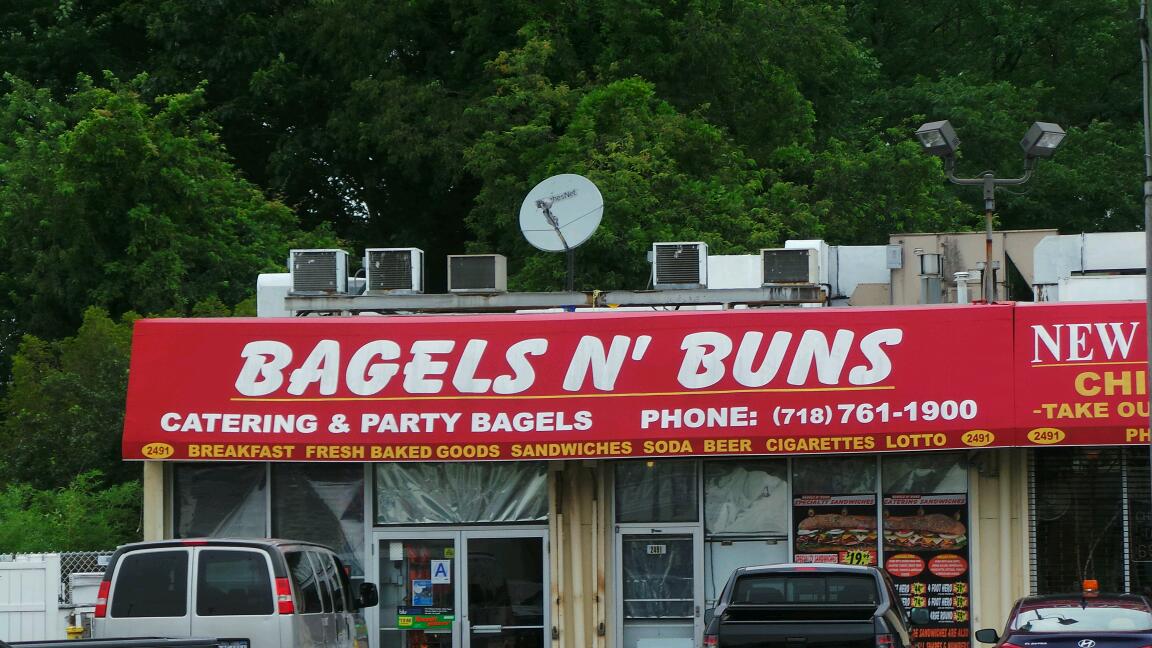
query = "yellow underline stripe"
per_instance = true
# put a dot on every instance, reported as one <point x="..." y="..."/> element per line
<point x="560" y="396"/>
<point x="1091" y="364"/>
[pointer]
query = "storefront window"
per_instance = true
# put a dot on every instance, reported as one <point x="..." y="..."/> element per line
<point x="656" y="491"/>
<point x="461" y="493"/>
<point x="834" y="475"/>
<point x="1140" y="519"/>
<point x="1078" y="518"/>
<point x="745" y="518"/>
<point x="834" y="510"/>
<point x="321" y="503"/>
<point x="925" y="473"/>
<point x="220" y="500"/>
<point x="924" y="527"/>
<point x="746" y="497"/>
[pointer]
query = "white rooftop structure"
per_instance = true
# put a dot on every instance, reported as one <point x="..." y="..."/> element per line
<point x="1090" y="267"/>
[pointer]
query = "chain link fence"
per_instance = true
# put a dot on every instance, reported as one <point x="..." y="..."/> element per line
<point x="79" y="562"/>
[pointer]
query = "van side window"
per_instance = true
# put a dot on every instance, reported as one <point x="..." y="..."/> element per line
<point x="321" y="578"/>
<point x="151" y="584"/>
<point x="322" y="562"/>
<point x="340" y="590"/>
<point x="232" y="583"/>
<point x="304" y="578"/>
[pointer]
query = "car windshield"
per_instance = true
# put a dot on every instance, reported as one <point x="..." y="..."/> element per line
<point x="1120" y="617"/>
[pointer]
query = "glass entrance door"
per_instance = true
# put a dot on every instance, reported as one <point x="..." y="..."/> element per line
<point x="660" y="587"/>
<point x="465" y="588"/>
<point x="418" y="593"/>
<point x="507" y="594"/>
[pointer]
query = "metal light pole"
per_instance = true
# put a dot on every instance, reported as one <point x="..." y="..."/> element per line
<point x="989" y="181"/>
<point x="1146" y="76"/>
<point x="938" y="138"/>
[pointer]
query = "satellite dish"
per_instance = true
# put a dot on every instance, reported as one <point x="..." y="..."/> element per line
<point x="561" y="212"/>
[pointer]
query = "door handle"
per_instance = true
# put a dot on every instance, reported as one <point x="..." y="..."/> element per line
<point x="487" y="629"/>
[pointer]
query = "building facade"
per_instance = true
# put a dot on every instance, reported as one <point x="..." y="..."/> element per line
<point x="591" y="479"/>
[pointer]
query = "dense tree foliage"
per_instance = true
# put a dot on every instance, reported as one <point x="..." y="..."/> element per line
<point x="742" y="123"/>
<point x="65" y="399"/>
<point x="84" y="514"/>
<point x="113" y="201"/>
<point x="423" y="123"/>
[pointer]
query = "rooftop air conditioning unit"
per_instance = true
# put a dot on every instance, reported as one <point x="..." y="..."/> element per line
<point x="477" y="273"/>
<point x="790" y="266"/>
<point x="394" y="270"/>
<point x="319" y="271"/>
<point x="679" y="265"/>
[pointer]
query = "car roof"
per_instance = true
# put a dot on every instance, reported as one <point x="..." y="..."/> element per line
<point x="1134" y="601"/>
<point x="261" y="543"/>
<point x="222" y="541"/>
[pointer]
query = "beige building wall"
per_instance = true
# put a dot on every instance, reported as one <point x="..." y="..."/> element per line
<point x="962" y="252"/>
<point x="998" y="483"/>
<point x="155" y="497"/>
<point x="871" y="295"/>
<point x="580" y="555"/>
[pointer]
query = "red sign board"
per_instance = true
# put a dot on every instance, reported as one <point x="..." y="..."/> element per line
<point x="1081" y="374"/>
<point x="571" y="385"/>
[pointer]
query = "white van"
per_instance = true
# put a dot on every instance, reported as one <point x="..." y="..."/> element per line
<point x="245" y="593"/>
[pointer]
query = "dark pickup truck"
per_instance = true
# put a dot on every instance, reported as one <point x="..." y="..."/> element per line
<point x="809" y="606"/>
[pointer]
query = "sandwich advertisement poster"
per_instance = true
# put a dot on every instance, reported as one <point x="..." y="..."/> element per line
<point x="837" y="529"/>
<point x="926" y="553"/>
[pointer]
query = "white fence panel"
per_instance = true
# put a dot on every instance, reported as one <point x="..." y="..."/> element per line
<point x="29" y="591"/>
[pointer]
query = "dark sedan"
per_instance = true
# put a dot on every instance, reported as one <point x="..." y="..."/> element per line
<point x="1076" y="621"/>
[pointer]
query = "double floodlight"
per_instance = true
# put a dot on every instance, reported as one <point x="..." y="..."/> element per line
<point x="939" y="138"/>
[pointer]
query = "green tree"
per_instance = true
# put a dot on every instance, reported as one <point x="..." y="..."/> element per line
<point x="992" y="67"/>
<point x="47" y="43"/>
<point x="1086" y="52"/>
<point x="132" y="205"/>
<point x="64" y="409"/>
<point x="355" y="110"/>
<point x="85" y="515"/>
<point x="369" y="115"/>
<point x="864" y="188"/>
<point x="664" y="176"/>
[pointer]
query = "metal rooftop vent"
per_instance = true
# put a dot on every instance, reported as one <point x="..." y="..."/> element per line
<point x="679" y="265"/>
<point x="394" y="270"/>
<point x="783" y="265"/>
<point x="319" y="271"/>
<point x="477" y="273"/>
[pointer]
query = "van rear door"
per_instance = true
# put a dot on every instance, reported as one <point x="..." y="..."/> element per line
<point x="150" y="595"/>
<point x="234" y="597"/>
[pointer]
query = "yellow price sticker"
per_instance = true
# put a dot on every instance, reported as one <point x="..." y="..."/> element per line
<point x="856" y="557"/>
